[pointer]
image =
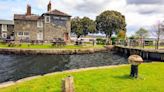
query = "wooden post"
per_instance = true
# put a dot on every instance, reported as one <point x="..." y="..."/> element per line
<point x="134" y="71"/>
<point x="68" y="84"/>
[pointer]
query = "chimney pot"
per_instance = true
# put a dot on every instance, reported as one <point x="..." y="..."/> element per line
<point x="49" y="6"/>
<point x="28" y="10"/>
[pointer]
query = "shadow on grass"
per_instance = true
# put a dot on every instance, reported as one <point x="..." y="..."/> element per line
<point x="126" y="76"/>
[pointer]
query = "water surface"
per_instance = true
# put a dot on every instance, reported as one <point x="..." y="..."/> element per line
<point x="14" y="67"/>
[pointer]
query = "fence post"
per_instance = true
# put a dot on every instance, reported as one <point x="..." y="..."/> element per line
<point x="68" y="84"/>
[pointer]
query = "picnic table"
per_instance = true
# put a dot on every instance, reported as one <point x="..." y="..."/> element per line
<point x="58" y="42"/>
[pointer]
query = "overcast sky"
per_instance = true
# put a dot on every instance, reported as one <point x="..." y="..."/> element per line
<point x="138" y="13"/>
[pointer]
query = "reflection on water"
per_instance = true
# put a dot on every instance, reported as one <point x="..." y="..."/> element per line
<point x="14" y="67"/>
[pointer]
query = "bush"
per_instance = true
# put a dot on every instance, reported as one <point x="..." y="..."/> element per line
<point x="100" y="41"/>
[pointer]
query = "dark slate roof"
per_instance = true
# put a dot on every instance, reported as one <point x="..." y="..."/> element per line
<point x="9" y="22"/>
<point x="58" y="13"/>
<point x="25" y="17"/>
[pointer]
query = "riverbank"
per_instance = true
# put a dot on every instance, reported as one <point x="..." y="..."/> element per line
<point x="57" y="51"/>
<point x="99" y="79"/>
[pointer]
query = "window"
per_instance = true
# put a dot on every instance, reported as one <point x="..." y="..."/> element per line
<point x="56" y="17"/>
<point x="47" y="19"/>
<point x="40" y="24"/>
<point x="4" y="27"/>
<point x="64" y="18"/>
<point x="4" y="35"/>
<point x="20" y="33"/>
<point x="26" y="33"/>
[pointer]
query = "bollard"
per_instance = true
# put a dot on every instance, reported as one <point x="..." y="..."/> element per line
<point x="135" y="60"/>
<point x="68" y="84"/>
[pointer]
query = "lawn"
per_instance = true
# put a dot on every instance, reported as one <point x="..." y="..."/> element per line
<point x="152" y="47"/>
<point x="114" y="79"/>
<point x="49" y="46"/>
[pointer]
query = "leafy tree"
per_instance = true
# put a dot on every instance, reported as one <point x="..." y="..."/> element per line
<point x="121" y="35"/>
<point x="76" y="27"/>
<point x="88" y="25"/>
<point x="81" y="27"/>
<point x="110" y="22"/>
<point x="142" y="33"/>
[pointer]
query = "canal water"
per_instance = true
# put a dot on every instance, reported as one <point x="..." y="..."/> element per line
<point x="15" y="67"/>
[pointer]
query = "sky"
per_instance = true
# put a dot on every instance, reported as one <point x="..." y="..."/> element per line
<point x="138" y="13"/>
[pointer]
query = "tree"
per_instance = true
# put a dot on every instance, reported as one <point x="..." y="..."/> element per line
<point x="76" y="27"/>
<point x="141" y="34"/>
<point x="81" y="27"/>
<point x="110" y="22"/>
<point x="121" y="35"/>
<point x="157" y="32"/>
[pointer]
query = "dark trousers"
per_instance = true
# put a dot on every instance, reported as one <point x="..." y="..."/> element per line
<point x="134" y="71"/>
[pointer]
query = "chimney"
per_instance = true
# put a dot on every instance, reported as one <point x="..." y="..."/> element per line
<point x="49" y="6"/>
<point x="28" y="10"/>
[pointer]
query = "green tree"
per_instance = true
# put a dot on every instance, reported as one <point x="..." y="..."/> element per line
<point x="142" y="33"/>
<point x="88" y="25"/>
<point x="110" y="22"/>
<point x="81" y="27"/>
<point x="76" y="27"/>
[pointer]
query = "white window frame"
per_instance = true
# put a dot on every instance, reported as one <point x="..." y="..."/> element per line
<point x="39" y="24"/>
<point x="64" y="18"/>
<point x="55" y="17"/>
<point x="4" y="36"/>
<point x="47" y="17"/>
<point x="4" y="27"/>
<point x="19" y="34"/>
<point x="40" y="36"/>
<point x="26" y="35"/>
<point x="23" y="34"/>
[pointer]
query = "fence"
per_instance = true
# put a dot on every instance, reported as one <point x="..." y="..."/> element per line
<point x="142" y="43"/>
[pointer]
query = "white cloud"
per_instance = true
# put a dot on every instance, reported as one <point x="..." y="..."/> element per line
<point x="138" y="13"/>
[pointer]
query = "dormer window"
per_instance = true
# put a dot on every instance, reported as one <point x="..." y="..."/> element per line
<point x="39" y="24"/>
<point x="47" y="19"/>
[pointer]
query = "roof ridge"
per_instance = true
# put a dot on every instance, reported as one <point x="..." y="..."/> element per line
<point x="57" y="12"/>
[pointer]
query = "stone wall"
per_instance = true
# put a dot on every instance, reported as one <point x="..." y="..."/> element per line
<point x="25" y="26"/>
<point x="51" y="30"/>
<point x="50" y="51"/>
<point x="57" y="28"/>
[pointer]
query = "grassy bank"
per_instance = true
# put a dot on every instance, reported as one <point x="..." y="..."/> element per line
<point x="49" y="46"/>
<point x="114" y="79"/>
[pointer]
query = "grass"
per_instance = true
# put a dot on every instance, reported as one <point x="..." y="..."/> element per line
<point x="99" y="80"/>
<point x="152" y="47"/>
<point x="49" y="46"/>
